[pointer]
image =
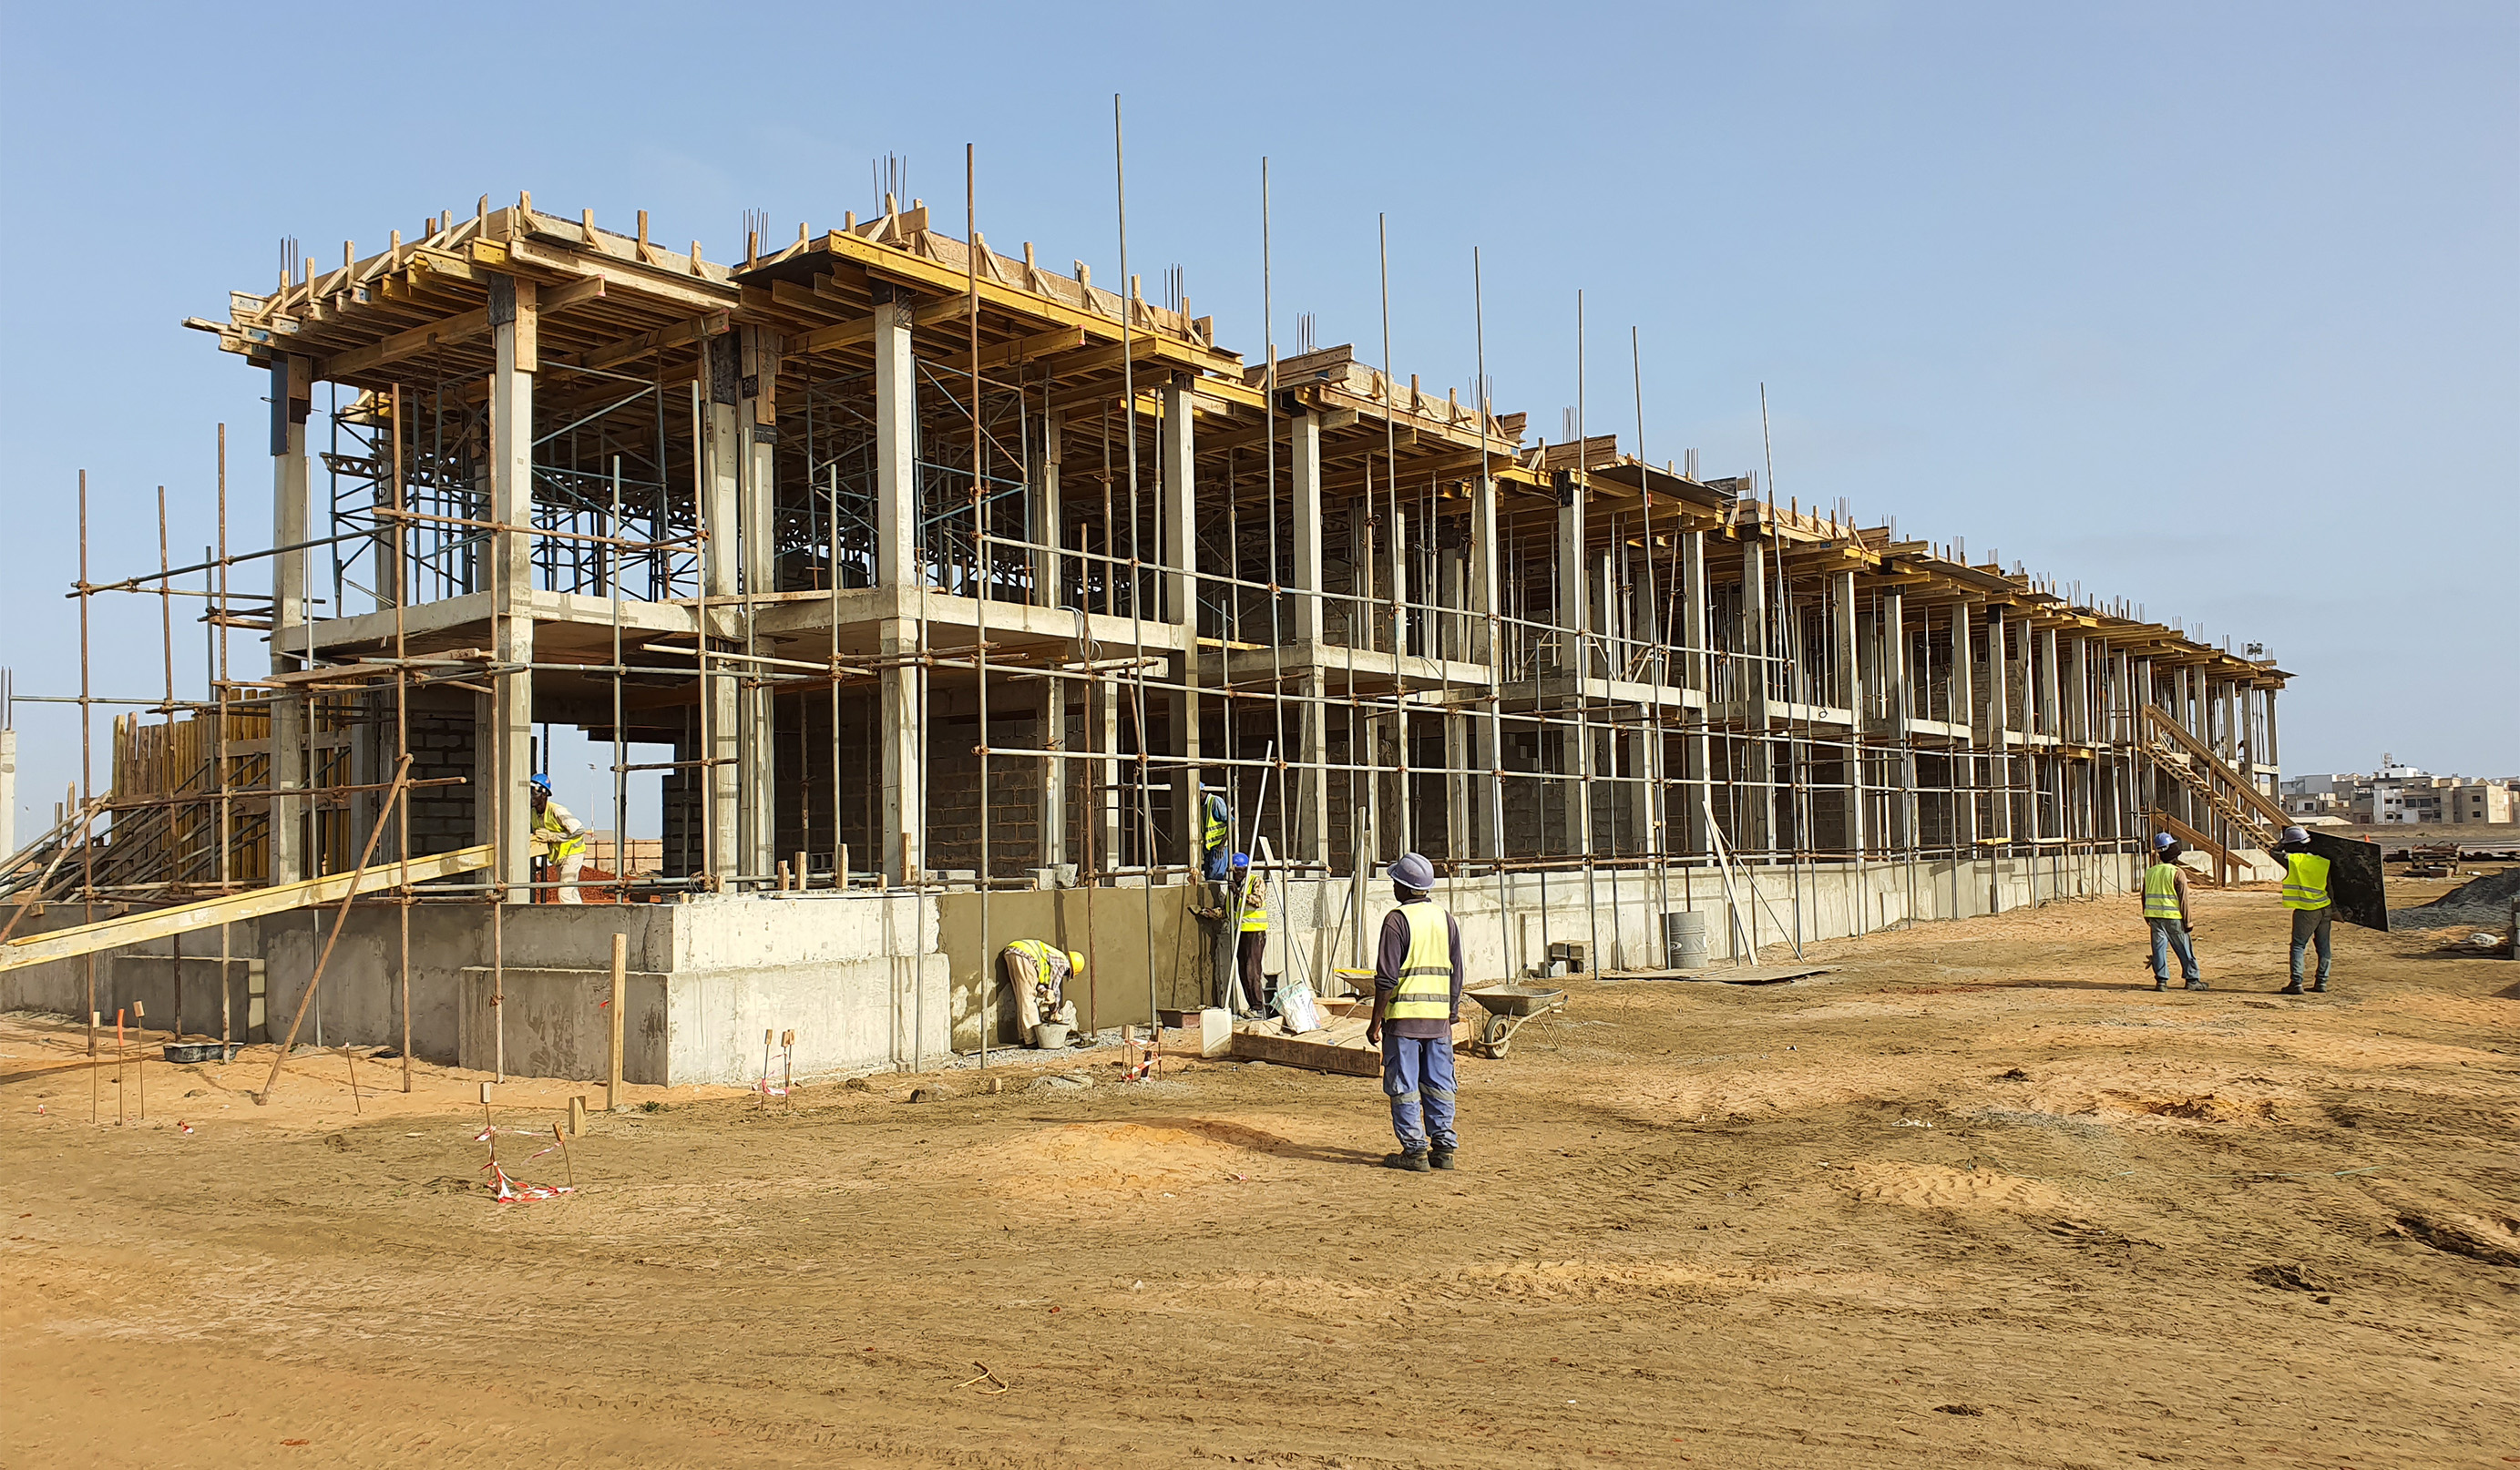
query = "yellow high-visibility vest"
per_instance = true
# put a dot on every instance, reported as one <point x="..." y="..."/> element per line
<point x="2161" y="891"/>
<point x="1426" y="990"/>
<point x="2305" y="883"/>
<point x="1255" y="906"/>
<point x="562" y="845"/>
<point x="1218" y="830"/>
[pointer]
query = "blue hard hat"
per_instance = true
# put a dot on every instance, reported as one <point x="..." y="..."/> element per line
<point x="1241" y="859"/>
<point x="541" y="782"/>
<point x="1414" y="871"/>
<point x="2161" y="840"/>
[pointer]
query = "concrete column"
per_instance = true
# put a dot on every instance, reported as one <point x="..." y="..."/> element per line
<point x="1897" y="705"/>
<point x="291" y="391"/>
<point x="2052" y="699"/>
<point x="2078" y="701"/>
<point x="896" y="447"/>
<point x="1850" y="691"/>
<point x="1177" y="512"/>
<point x="1102" y="734"/>
<point x="1571" y="601"/>
<point x="1602" y="609"/>
<point x="1998" y="717"/>
<point x="1696" y="669"/>
<point x="1312" y="838"/>
<point x="1483" y="569"/>
<point x="1304" y="461"/>
<point x="1047" y="520"/>
<point x="511" y="702"/>
<point x="756" y="446"/>
<point x="2274" y="752"/>
<point x="726" y="562"/>
<point x="1178" y="504"/>
<point x="1961" y="709"/>
<point x="1459" y="812"/>
<point x="1451" y="632"/>
<point x="1053" y="772"/>
<point x="1396" y="588"/>
<point x="901" y="688"/>
<point x="1755" y="680"/>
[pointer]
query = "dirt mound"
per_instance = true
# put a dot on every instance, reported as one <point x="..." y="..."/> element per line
<point x="1938" y="1187"/>
<point x="1061" y="1161"/>
<point x="2485" y="903"/>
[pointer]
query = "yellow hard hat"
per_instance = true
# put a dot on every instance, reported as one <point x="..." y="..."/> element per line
<point x="1075" y="963"/>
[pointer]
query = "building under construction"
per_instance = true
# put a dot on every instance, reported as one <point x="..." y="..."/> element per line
<point x="952" y="584"/>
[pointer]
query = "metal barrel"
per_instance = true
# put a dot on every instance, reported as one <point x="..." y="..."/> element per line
<point x="1683" y="941"/>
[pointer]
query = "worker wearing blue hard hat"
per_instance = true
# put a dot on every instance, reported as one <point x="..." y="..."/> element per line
<point x="559" y="840"/>
<point x="2166" y="914"/>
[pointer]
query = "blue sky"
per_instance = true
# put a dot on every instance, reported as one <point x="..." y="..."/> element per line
<point x="2213" y="307"/>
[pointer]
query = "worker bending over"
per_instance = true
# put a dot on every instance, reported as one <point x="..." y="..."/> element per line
<point x="1417" y="999"/>
<point x="1038" y="972"/>
<point x="561" y="839"/>
<point x="2165" y="912"/>
<point x="2305" y="893"/>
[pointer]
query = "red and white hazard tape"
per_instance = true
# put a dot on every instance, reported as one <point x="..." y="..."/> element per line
<point x="510" y="1192"/>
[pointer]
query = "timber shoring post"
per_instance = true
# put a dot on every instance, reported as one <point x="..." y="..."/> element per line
<point x="341" y="914"/>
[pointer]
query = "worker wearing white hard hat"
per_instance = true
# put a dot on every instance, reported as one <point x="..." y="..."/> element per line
<point x="1417" y="999"/>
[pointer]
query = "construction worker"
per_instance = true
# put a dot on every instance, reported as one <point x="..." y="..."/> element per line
<point x="2165" y="912"/>
<point x="1215" y="839"/>
<point x="1038" y="971"/>
<point x="1253" y="941"/>
<point x="2305" y="893"/>
<point x="561" y="840"/>
<point x="1417" y="999"/>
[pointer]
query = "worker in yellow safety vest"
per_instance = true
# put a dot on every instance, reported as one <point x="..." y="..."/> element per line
<point x="1417" y="999"/>
<point x="2305" y="893"/>
<point x="1253" y="940"/>
<point x="2165" y="914"/>
<point x="561" y="838"/>
<point x="1038" y="972"/>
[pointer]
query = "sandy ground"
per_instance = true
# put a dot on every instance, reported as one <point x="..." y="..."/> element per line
<point x="1977" y="1195"/>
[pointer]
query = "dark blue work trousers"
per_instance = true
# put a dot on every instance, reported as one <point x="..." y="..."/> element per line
<point x="1417" y="1078"/>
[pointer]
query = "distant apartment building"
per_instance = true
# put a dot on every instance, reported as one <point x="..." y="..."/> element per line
<point x="2404" y="795"/>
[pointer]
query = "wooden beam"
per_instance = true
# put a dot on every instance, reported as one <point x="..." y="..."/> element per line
<point x="859" y="333"/>
<point x="259" y="903"/>
<point x="711" y="324"/>
<point x="455" y="328"/>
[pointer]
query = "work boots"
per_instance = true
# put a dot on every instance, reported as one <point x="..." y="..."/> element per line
<point x="2161" y="982"/>
<point x="2198" y="985"/>
<point x="2320" y="986"/>
<point x="2293" y="989"/>
<point x="1440" y="1158"/>
<point x="1413" y="1160"/>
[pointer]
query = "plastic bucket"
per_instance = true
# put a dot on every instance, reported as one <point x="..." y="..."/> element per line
<point x="1050" y="1034"/>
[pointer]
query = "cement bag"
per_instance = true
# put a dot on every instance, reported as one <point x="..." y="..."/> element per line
<point x="1295" y="1007"/>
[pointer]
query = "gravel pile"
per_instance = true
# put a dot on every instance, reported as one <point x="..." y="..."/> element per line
<point x="2482" y="903"/>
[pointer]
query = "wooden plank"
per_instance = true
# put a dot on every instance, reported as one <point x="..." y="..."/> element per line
<point x="1338" y="1048"/>
<point x="160" y="923"/>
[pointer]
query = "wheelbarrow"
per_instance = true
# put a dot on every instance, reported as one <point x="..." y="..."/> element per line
<point x="1510" y="1007"/>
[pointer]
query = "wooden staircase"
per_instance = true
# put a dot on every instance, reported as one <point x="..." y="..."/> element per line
<point x="2226" y="792"/>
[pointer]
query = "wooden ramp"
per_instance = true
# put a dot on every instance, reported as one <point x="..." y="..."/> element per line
<point x="259" y="903"/>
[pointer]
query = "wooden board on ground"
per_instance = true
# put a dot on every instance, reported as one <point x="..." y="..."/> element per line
<point x="2353" y="879"/>
<point x="1731" y="974"/>
<point x="1338" y="1048"/>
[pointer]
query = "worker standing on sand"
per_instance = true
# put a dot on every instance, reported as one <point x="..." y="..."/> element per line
<point x="562" y="839"/>
<point x="1417" y="999"/>
<point x="2305" y="893"/>
<point x="1253" y="901"/>
<point x="2165" y="912"/>
<point x="1038" y="971"/>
